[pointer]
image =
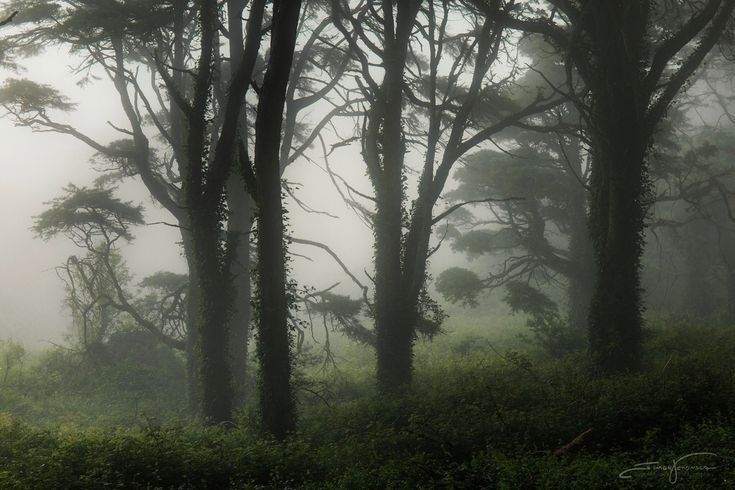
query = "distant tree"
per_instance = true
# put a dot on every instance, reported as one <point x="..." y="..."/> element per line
<point x="13" y="356"/>
<point x="694" y="214"/>
<point x="98" y="282"/>
<point x="541" y="235"/>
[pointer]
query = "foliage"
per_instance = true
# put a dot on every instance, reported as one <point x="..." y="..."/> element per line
<point x="479" y="421"/>
<point x="87" y="215"/>
<point x="129" y="379"/>
<point x="548" y="327"/>
<point x="459" y="285"/>
<point x="12" y="357"/>
<point x="25" y="97"/>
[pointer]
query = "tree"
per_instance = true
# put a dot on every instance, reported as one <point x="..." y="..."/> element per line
<point x="540" y="235"/>
<point x="693" y="209"/>
<point x="97" y="283"/>
<point x="423" y="103"/>
<point x="274" y="339"/>
<point x="159" y="44"/>
<point x="120" y="50"/>
<point x="632" y="63"/>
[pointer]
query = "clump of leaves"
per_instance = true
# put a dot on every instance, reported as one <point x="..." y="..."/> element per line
<point x="460" y="285"/>
<point x="90" y="213"/>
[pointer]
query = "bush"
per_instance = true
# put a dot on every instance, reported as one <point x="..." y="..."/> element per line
<point x="482" y="420"/>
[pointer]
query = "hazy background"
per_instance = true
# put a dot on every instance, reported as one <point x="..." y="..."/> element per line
<point x="35" y="167"/>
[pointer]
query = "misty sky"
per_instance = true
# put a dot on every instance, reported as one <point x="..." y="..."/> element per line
<point x="35" y="167"/>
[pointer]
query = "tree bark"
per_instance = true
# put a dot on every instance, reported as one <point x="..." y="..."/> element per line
<point x="582" y="270"/>
<point x="393" y="324"/>
<point x="274" y="339"/>
<point x="619" y="184"/>
<point x="239" y="223"/>
<point x="193" y="358"/>
<point x="215" y="302"/>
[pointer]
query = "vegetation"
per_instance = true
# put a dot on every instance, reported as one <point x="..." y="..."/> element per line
<point x="485" y="418"/>
<point x="578" y="151"/>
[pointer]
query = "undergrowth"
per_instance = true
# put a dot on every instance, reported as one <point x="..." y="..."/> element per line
<point x="479" y="416"/>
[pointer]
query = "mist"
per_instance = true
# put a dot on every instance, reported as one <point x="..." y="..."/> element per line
<point x="359" y="244"/>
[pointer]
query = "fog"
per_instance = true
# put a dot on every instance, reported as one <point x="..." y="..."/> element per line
<point x="361" y="244"/>
<point x="36" y="165"/>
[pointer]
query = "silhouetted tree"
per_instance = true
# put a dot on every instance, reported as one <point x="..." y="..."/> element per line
<point x="633" y="61"/>
<point x="274" y="339"/>
<point x="422" y="103"/>
<point x="98" y="283"/>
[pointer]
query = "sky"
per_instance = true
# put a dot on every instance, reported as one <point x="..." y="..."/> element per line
<point x="36" y="166"/>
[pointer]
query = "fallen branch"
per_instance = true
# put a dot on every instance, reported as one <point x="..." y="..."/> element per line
<point x="574" y="444"/>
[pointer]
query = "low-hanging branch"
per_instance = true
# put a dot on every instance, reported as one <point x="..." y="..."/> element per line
<point x="336" y="258"/>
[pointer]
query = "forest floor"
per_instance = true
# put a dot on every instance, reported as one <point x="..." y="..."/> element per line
<point x="481" y="415"/>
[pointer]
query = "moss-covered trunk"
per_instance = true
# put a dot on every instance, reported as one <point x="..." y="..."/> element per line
<point x="386" y="158"/>
<point x="615" y="314"/>
<point x="394" y="333"/>
<point x="193" y="357"/>
<point x="619" y="186"/>
<point x="215" y="301"/>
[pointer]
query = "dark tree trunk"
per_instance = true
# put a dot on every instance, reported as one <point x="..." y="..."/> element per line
<point x="204" y="188"/>
<point x="617" y="224"/>
<point x="394" y="332"/>
<point x="393" y="320"/>
<point x="240" y="222"/>
<point x="193" y="358"/>
<point x="620" y="139"/>
<point x="215" y="303"/>
<point x="582" y="280"/>
<point x="274" y="339"/>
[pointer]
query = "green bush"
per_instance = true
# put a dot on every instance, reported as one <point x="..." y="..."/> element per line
<point x="484" y="419"/>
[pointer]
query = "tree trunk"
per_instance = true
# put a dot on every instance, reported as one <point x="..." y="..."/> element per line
<point x="582" y="281"/>
<point x="617" y="224"/>
<point x="193" y="359"/>
<point x="214" y="310"/>
<point x="239" y="223"/>
<point x="393" y="323"/>
<point x="394" y="333"/>
<point x="620" y="138"/>
<point x="274" y="339"/>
